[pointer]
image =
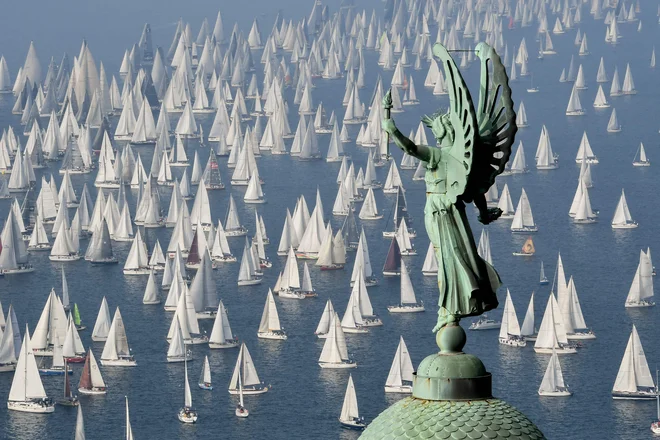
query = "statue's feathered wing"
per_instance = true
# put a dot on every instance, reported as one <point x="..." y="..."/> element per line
<point x="497" y="123"/>
<point x="463" y="119"/>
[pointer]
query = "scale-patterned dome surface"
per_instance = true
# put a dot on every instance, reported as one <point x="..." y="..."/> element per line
<point x="413" y="418"/>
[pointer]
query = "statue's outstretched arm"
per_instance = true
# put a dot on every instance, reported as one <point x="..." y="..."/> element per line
<point x="421" y="152"/>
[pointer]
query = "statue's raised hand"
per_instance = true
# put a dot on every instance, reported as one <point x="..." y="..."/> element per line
<point x="388" y="126"/>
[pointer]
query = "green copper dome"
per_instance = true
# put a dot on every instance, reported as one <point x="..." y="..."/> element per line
<point x="413" y="418"/>
<point x="452" y="399"/>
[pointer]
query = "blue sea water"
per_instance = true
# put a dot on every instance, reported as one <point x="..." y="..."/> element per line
<point x="305" y="400"/>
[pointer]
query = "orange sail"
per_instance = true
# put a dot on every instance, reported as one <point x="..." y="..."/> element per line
<point x="528" y="247"/>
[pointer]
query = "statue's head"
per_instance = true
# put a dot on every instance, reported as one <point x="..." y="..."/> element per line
<point x="440" y="125"/>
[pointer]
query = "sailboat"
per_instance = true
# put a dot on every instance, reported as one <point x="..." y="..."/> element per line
<point x="248" y="372"/>
<point x="569" y="304"/>
<point x="350" y="415"/>
<point x="655" y="426"/>
<point x="634" y="380"/>
<point x="553" y="384"/>
<point x="323" y="327"/>
<point x="552" y="333"/>
<point x="408" y="303"/>
<point x="641" y="290"/>
<point x="69" y="399"/>
<point x="531" y="88"/>
<point x="241" y="411"/>
<point x="574" y="107"/>
<point x="528" y="330"/>
<point x="400" y="377"/>
<point x="369" y="210"/>
<point x="622" y="218"/>
<point x="248" y="275"/>
<point x="187" y="414"/>
<point x="58" y="366"/>
<point x="335" y="353"/>
<point x="205" y="376"/>
<point x="177" y="351"/>
<point x="527" y="249"/>
<point x="269" y="327"/>
<point x="430" y="266"/>
<point x="543" y="280"/>
<point x="510" y="328"/>
<point x="392" y="266"/>
<point x="116" y="352"/>
<point x="129" y="430"/>
<point x="221" y="334"/>
<point x="506" y="204"/>
<point x="91" y="381"/>
<point x="27" y="392"/>
<point x="613" y="125"/>
<point x="102" y="324"/>
<point x="640" y="157"/>
<point x="523" y="220"/>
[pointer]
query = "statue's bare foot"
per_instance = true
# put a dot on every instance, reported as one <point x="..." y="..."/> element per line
<point x="492" y="214"/>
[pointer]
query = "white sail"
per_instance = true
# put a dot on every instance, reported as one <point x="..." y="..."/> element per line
<point x="103" y="322"/>
<point x="349" y="409"/>
<point x="523" y="220"/>
<point x="510" y="325"/>
<point x="553" y="379"/>
<point x="552" y="333"/>
<point x="26" y="384"/>
<point x="402" y="369"/>
<point x="622" y="215"/>
<point x="634" y="370"/>
<point x="270" y="320"/>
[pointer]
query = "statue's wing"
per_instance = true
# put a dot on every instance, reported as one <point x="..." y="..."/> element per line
<point x="497" y="121"/>
<point x="463" y="120"/>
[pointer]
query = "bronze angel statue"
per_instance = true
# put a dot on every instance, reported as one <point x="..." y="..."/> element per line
<point x="473" y="146"/>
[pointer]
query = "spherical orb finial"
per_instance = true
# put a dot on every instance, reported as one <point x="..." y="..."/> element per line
<point x="451" y="338"/>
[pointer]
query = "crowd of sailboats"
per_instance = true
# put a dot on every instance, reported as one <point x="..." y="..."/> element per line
<point x="76" y="116"/>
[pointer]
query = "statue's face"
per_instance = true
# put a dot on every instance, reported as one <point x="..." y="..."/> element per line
<point x="443" y="131"/>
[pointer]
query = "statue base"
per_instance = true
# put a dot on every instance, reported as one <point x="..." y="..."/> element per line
<point x="452" y="374"/>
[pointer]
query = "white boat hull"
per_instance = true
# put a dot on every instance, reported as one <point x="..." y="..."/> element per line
<point x="31" y="407"/>
<point x="580" y="336"/>
<point x="139" y="271"/>
<point x="187" y="417"/>
<point x="5" y="368"/>
<point x="641" y="395"/>
<point x="513" y="342"/>
<point x="64" y="258"/>
<point x="227" y="344"/>
<point x="249" y="282"/>
<point x="173" y="359"/>
<point x="355" y="330"/>
<point x="640" y="304"/>
<point x="118" y="362"/>
<point x="92" y="392"/>
<point x="401" y="389"/>
<point x="625" y="226"/>
<point x="405" y="309"/>
<point x="288" y="294"/>
<point x="272" y="335"/>
<point x="250" y="391"/>
<point x="562" y="350"/>
<point x="242" y="412"/>
<point x="555" y="393"/>
<point x="337" y="366"/>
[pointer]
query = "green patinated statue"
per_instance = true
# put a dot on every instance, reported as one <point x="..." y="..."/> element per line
<point x="473" y="146"/>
